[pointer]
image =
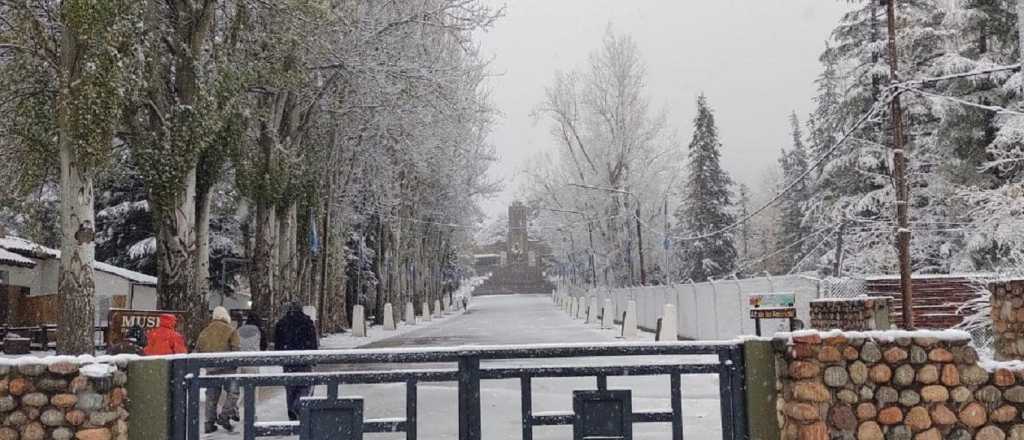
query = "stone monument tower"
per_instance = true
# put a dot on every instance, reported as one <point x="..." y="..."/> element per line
<point x="518" y="239"/>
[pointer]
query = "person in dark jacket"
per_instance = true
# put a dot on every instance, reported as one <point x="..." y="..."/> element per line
<point x="295" y="331"/>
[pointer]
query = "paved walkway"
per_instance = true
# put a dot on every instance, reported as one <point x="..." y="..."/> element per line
<point x="517" y="319"/>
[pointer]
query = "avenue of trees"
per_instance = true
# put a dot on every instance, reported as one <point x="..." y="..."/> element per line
<point x="330" y="150"/>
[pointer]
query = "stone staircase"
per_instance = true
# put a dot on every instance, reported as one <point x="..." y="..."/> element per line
<point x="515" y="280"/>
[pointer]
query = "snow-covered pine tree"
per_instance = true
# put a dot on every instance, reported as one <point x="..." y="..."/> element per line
<point x="707" y="207"/>
<point x="794" y="164"/>
<point x="855" y="183"/>
<point x="124" y="224"/>
<point x="983" y="150"/>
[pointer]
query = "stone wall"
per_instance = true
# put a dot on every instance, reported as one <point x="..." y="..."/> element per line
<point x="893" y="385"/>
<point x="60" y="399"/>
<point x="862" y="313"/>
<point x="1008" y="319"/>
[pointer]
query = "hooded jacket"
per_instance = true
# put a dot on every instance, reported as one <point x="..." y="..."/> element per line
<point x="165" y="339"/>
<point x="219" y="335"/>
<point x="295" y="331"/>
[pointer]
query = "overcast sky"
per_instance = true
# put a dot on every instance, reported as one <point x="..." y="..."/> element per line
<point x="756" y="61"/>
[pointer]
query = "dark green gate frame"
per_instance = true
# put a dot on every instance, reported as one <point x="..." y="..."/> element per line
<point x="188" y="381"/>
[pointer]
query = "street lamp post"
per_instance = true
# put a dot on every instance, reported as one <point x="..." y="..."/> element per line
<point x="639" y="234"/>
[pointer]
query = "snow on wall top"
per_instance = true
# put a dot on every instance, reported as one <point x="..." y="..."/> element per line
<point x="15" y="259"/>
<point x="78" y="360"/>
<point x="880" y="335"/>
<point x="17" y="245"/>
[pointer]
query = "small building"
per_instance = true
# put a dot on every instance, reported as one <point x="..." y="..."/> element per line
<point x="29" y="275"/>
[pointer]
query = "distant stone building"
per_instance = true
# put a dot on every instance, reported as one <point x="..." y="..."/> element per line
<point x="516" y="264"/>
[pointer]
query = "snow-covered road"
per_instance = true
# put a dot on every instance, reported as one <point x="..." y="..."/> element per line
<point x="516" y="319"/>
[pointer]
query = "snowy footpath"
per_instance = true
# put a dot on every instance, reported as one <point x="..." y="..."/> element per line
<point x="507" y="320"/>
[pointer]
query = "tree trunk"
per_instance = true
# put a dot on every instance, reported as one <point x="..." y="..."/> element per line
<point x="176" y="247"/>
<point x="262" y="277"/>
<point x="77" y="286"/>
<point x="202" y="261"/>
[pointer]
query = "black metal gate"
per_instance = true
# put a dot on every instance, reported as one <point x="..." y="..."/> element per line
<point x="464" y="368"/>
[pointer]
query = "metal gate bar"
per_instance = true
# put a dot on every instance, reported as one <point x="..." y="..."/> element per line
<point x="189" y="381"/>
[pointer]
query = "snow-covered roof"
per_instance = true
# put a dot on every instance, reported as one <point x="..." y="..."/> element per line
<point x="27" y="248"/>
<point x="19" y="247"/>
<point x="129" y="275"/>
<point x="13" y="259"/>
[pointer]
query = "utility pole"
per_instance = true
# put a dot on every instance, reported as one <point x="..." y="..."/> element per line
<point x="640" y="245"/>
<point x="837" y="270"/>
<point x="899" y="174"/>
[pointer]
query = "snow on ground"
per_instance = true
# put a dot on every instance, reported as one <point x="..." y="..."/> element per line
<point x="510" y="320"/>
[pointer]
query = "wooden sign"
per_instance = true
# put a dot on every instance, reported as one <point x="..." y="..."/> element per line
<point x="773" y="313"/>
<point x="120" y="320"/>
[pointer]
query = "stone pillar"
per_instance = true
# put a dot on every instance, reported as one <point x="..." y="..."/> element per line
<point x="358" y="321"/>
<point x="629" y="329"/>
<point x="410" y="314"/>
<point x="608" y="314"/>
<point x="669" y="330"/>
<point x="592" y="311"/>
<point x="389" y="317"/>
<point x="1008" y="319"/>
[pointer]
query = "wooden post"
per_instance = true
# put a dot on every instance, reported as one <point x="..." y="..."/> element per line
<point x="640" y="245"/>
<point x="899" y="175"/>
<point x="837" y="269"/>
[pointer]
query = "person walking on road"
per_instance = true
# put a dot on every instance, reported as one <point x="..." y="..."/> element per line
<point x="251" y="334"/>
<point x="295" y="331"/>
<point x="220" y="336"/>
<point x="165" y="339"/>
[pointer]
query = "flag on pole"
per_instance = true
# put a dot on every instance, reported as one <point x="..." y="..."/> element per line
<point x="314" y="238"/>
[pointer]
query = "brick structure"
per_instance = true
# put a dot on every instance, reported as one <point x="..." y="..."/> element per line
<point x="937" y="298"/>
<point x="862" y="313"/>
<point x="59" y="399"/>
<point x="893" y="385"/>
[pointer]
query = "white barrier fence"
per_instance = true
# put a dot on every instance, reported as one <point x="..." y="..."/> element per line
<point x="704" y="311"/>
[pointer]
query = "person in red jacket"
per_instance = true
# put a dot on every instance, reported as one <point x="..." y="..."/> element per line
<point x="165" y="339"/>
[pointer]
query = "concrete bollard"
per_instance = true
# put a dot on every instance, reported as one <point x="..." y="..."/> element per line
<point x="426" y="311"/>
<point x="410" y="314"/>
<point x="629" y="329"/>
<point x="608" y="314"/>
<point x="592" y="311"/>
<point x="358" y="321"/>
<point x="389" y="317"/>
<point x="437" y="308"/>
<point x="668" y="331"/>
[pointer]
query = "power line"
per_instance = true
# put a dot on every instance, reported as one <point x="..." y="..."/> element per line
<point x="750" y="263"/>
<point x="789" y="187"/>
<point x="992" y="108"/>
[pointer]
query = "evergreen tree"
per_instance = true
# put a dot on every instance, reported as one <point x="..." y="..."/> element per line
<point x="856" y="184"/>
<point x="708" y="206"/>
<point x="794" y="164"/>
